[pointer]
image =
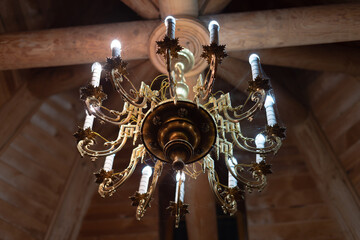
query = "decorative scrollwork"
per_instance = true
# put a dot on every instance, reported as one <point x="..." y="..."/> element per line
<point x="142" y="201"/>
<point x="110" y="184"/>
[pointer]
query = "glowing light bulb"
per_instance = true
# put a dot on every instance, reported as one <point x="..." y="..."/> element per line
<point x="211" y="25"/>
<point x="169" y="19"/>
<point x="115" y="48"/>
<point x="260" y="143"/>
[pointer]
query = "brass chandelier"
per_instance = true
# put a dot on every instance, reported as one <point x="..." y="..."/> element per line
<point x="167" y="126"/>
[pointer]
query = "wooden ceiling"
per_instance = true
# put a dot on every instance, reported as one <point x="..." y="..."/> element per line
<point x="309" y="49"/>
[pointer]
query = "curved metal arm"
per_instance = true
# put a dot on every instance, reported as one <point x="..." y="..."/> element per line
<point x="94" y="107"/>
<point x="223" y="194"/>
<point x="258" y="97"/>
<point x="273" y="143"/>
<point x="258" y="180"/>
<point x="145" y="201"/>
<point x="109" y="185"/>
<point x="126" y="131"/>
<point x="209" y="82"/>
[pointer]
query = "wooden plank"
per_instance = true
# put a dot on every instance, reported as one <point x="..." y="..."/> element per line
<point x="49" y="143"/>
<point x="331" y="58"/>
<point x="118" y="226"/>
<point x="144" y="8"/>
<point x="213" y="6"/>
<point x="201" y="206"/>
<point x="346" y="140"/>
<point x="178" y="8"/>
<point x="74" y="45"/>
<point x="14" y="117"/>
<point x="34" y="152"/>
<point x="126" y="236"/>
<point x="315" y="230"/>
<point x="9" y="232"/>
<point x="351" y="156"/>
<point x="296" y="182"/>
<point x="288" y="27"/>
<point x="32" y="208"/>
<point x="278" y="199"/>
<point x="72" y="206"/>
<point x="27" y="186"/>
<point x="258" y="217"/>
<point x="32" y="170"/>
<point x="330" y="177"/>
<point x="343" y="122"/>
<point x="17" y="218"/>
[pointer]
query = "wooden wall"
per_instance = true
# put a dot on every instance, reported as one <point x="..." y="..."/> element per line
<point x="335" y="101"/>
<point x="114" y="218"/>
<point x="290" y="207"/>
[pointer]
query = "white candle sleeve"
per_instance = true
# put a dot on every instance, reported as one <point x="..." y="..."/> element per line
<point x="260" y="143"/>
<point x="115" y="48"/>
<point x="89" y="121"/>
<point x="232" y="182"/>
<point x="108" y="164"/>
<point x="144" y="181"/>
<point x="170" y="27"/>
<point x="254" y="61"/>
<point x="96" y="73"/>
<point x="270" y="113"/>
<point x="214" y="28"/>
<point x="182" y="187"/>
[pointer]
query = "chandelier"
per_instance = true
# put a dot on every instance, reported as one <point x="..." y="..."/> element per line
<point x="167" y="126"/>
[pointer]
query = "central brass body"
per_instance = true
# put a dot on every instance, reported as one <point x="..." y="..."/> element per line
<point x="178" y="133"/>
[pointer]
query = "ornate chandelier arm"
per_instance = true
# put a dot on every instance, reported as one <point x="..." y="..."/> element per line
<point x="213" y="53"/>
<point x="142" y="201"/>
<point x="258" y="180"/>
<point x="273" y="142"/>
<point x="119" y="118"/>
<point x="110" y="184"/>
<point x="225" y="195"/>
<point x="125" y="132"/>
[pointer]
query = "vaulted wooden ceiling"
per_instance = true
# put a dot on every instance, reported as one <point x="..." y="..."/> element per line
<point x="309" y="49"/>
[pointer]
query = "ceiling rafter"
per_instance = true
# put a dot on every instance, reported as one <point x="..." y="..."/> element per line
<point x="263" y="29"/>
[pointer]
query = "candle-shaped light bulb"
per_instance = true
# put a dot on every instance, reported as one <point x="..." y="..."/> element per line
<point x="179" y="175"/>
<point x="232" y="182"/>
<point x="96" y="73"/>
<point x="115" y="48"/>
<point x="108" y="164"/>
<point x="89" y="120"/>
<point x="144" y="181"/>
<point x="254" y="61"/>
<point x="269" y="108"/>
<point x="260" y="143"/>
<point x="214" y="28"/>
<point x="170" y="26"/>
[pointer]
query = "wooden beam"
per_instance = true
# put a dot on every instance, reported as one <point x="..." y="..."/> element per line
<point x="213" y="6"/>
<point x="144" y="8"/>
<point x="330" y="176"/>
<point x="201" y="222"/>
<point x="74" y="202"/>
<point x="289" y="27"/>
<point x="240" y="31"/>
<point x="75" y="45"/>
<point x="178" y="8"/>
<point x="332" y="58"/>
